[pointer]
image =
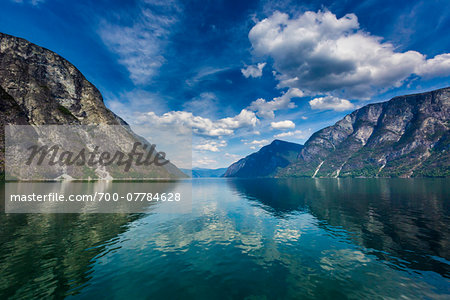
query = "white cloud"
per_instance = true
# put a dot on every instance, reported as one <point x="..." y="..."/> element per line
<point x="127" y="104"/>
<point x="139" y="44"/>
<point x="319" y="53"/>
<point x="212" y="146"/>
<point x="232" y="156"/>
<point x="204" y="73"/>
<point x="266" y="109"/>
<point x="331" y="103"/>
<point x="205" y="126"/>
<point x="32" y="2"/>
<point x="297" y="134"/>
<point x="257" y="143"/>
<point x="253" y="71"/>
<point x="204" y="162"/>
<point x="204" y="104"/>
<point x="207" y="147"/>
<point x="437" y="66"/>
<point x="287" y="124"/>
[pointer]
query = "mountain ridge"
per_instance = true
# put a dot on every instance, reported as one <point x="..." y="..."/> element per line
<point x="39" y="87"/>
<point x="394" y="138"/>
<point x="263" y="163"/>
<point x="406" y="136"/>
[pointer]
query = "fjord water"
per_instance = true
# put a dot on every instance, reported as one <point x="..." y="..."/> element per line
<point x="245" y="238"/>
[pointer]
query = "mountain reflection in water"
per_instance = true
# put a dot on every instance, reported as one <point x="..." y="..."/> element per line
<point x="254" y="238"/>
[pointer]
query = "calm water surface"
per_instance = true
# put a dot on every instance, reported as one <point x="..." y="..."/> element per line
<point x="253" y="239"/>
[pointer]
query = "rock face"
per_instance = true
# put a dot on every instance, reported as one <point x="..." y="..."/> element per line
<point x="266" y="162"/>
<point x="39" y="87"/>
<point x="407" y="136"/>
<point x="48" y="88"/>
<point x="10" y="112"/>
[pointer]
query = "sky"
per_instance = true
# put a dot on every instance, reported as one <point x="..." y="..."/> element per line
<point x="242" y="73"/>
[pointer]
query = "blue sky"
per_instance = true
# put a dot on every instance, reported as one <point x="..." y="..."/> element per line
<point x="242" y="73"/>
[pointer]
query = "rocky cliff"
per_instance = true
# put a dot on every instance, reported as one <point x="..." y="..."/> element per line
<point x="407" y="136"/>
<point x="48" y="88"/>
<point x="39" y="87"/>
<point x="266" y="162"/>
<point x="10" y="113"/>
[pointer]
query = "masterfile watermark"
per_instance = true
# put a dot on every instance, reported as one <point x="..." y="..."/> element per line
<point x="55" y="155"/>
<point x="97" y="169"/>
<point x="98" y="197"/>
<point x="95" y="152"/>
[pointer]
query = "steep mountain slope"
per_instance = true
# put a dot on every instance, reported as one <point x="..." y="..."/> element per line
<point x="10" y="112"/>
<point x="405" y="137"/>
<point x="266" y="162"/>
<point x="48" y="88"/>
<point x="39" y="87"/>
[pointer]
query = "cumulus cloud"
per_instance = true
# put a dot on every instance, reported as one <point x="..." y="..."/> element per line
<point x="257" y="143"/>
<point x="213" y="146"/>
<point x="205" y="126"/>
<point x="297" y="134"/>
<point x="253" y="71"/>
<point x="287" y="124"/>
<point x="331" y="103"/>
<point x="204" y="162"/>
<point x="139" y="44"/>
<point x="437" y="66"/>
<point x="320" y="53"/>
<point x="266" y="109"/>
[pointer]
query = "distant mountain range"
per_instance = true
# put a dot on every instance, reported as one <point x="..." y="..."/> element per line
<point x="407" y="136"/>
<point x="267" y="161"/>
<point x="200" y="172"/>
